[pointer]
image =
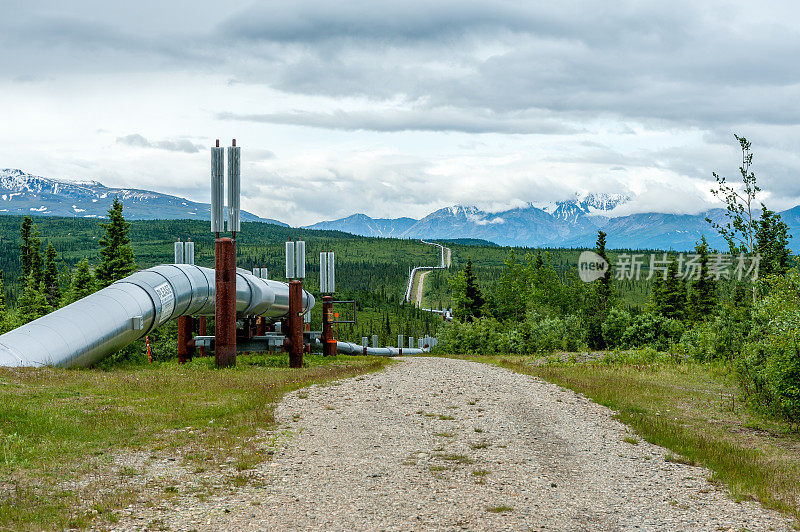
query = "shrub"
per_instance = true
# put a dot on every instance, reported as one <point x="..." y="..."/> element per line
<point x="769" y="366"/>
<point x="614" y="327"/>
<point x="483" y="335"/>
<point x="652" y="330"/>
<point x="534" y="335"/>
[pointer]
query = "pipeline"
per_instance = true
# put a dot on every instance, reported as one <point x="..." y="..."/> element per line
<point x="442" y="266"/>
<point x="88" y="330"/>
<point x="350" y="348"/>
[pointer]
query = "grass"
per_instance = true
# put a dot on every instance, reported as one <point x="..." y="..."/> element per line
<point x="61" y="429"/>
<point x="678" y="406"/>
<point x="500" y="509"/>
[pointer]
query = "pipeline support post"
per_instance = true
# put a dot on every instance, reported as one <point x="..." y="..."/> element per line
<point x="202" y="329"/>
<point x="329" y="342"/>
<point x="185" y="346"/>
<point x="225" y="311"/>
<point x="295" y="332"/>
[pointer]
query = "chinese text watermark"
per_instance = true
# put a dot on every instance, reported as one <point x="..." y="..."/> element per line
<point x="631" y="266"/>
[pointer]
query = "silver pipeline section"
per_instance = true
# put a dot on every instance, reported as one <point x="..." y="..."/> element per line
<point x="88" y="330"/>
<point x="349" y="348"/>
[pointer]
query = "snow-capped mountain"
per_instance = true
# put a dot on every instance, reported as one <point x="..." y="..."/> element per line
<point x="569" y="223"/>
<point x="541" y="224"/>
<point x="23" y="193"/>
<point x="584" y="205"/>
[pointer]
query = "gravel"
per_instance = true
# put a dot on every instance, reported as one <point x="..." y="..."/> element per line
<point x="442" y="444"/>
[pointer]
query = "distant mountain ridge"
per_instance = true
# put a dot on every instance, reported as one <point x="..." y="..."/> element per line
<point x="569" y="223"/>
<point x="23" y="193"/>
<point x="361" y="224"/>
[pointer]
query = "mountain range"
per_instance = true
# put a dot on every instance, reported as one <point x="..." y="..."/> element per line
<point x="23" y="193"/>
<point x="569" y="223"/>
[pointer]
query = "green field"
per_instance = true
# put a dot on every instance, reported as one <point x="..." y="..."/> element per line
<point x="76" y="444"/>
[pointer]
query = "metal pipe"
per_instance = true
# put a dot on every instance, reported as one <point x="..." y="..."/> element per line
<point x="217" y="189"/>
<point x="179" y="255"/>
<point x="234" y="180"/>
<point x="300" y="259"/>
<point x="188" y="255"/>
<point x="323" y="272"/>
<point x="350" y="348"/>
<point x="290" y="272"/>
<point x="330" y="278"/>
<point x="85" y="332"/>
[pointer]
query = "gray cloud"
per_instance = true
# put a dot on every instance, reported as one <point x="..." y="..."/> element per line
<point x="429" y="120"/>
<point x="178" y="145"/>
<point x="702" y="69"/>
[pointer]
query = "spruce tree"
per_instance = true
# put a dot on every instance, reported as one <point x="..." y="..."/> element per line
<point x="603" y="286"/>
<point x="673" y="297"/>
<point x="50" y="277"/>
<point x="83" y="282"/>
<point x="601" y="300"/>
<point x="703" y="296"/>
<point x="473" y="291"/>
<point x="33" y="303"/>
<point x="30" y="254"/>
<point x="657" y="293"/>
<point x="468" y="300"/>
<point x="26" y="231"/>
<point x="772" y="243"/>
<point x="116" y="254"/>
<point x="2" y="303"/>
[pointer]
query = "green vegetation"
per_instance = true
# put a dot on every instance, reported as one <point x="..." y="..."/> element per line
<point x="371" y="271"/>
<point x="61" y="430"/>
<point x="467" y="297"/>
<point x="116" y="253"/>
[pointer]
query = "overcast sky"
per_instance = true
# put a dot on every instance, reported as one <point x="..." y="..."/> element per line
<point x="402" y="107"/>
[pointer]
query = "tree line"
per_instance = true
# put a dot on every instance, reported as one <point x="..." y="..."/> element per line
<point x="43" y="289"/>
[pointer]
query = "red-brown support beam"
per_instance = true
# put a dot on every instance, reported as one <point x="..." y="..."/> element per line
<point x="328" y="340"/>
<point x="225" y="311"/>
<point x="295" y="332"/>
<point x="185" y="345"/>
<point x="261" y="326"/>
<point x="202" y="330"/>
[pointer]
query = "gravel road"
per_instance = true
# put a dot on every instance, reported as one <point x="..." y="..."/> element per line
<point x="440" y="444"/>
<point x="421" y="286"/>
